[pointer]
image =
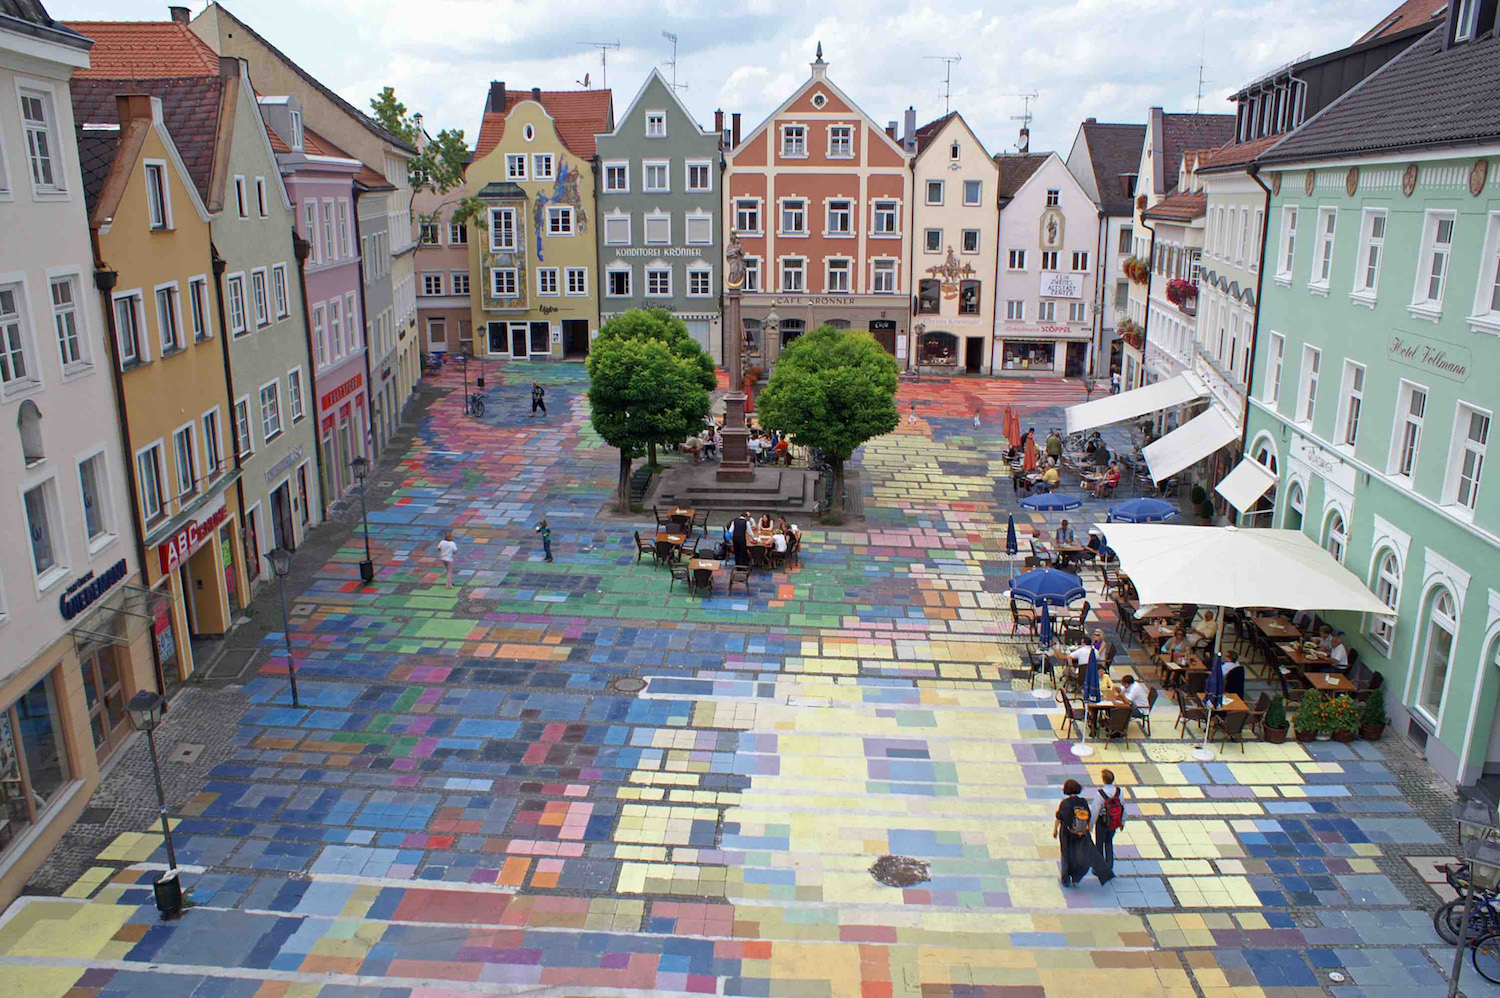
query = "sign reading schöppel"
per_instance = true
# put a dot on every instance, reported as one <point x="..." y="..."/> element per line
<point x="86" y="591"/>
<point x="1061" y="286"/>
<point x="187" y="540"/>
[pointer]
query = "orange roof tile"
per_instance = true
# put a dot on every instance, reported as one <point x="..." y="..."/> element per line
<point x="579" y="114"/>
<point x="144" y="50"/>
<point x="1179" y="207"/>
<point x="1236" y="154"/>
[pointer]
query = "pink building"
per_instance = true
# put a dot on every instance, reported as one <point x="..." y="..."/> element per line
<point x="442" y="267"/>
<point x="320" y="180"/>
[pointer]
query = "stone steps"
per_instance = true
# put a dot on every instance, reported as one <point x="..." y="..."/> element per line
<point x="774" y="489"/>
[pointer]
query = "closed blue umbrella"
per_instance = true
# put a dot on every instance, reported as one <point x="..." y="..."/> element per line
<point x="1145" y="510"/>
<point x="1213" y="689"/>
<point x="1091" y="678"/>
<point x="1048" y="586"/>
<point x="1044" y="626"/>
<point x="1011" y="545"/>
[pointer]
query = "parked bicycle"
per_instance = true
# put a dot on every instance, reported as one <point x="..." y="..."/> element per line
<point x="474" y="405"/>
<point x="824" y="505"/>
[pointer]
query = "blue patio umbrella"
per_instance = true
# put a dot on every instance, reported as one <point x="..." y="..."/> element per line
<point x="1048" y="587"/>
<point x="1011" y="545"/>
<point x="1213" y="689"/>
<point x="1144" y="510"/>
<point x="1050" y="502"/>
<point x="1044" y="626"/>
<point x="1091" y="678"/>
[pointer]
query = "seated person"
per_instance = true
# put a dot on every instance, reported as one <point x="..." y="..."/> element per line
<point x="1207" y="625"/>
<point x="1233" y="673"/>
<point x="1050" y="477"/>
<point x="1173" y="656"/>
<point x="782" y="451"/>
<point x="1136" y="692"/>
<point x="1325" y="638"/>
<point x="764" y="526"/>
<point x="1065" y="534"/>
<point x="757" y="447"/>
<point x="778" y="542"/>
<point x="1304" y="620"/>
<point x="1339" y="652"/>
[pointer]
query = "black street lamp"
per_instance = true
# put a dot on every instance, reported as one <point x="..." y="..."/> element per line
<point x="361" y="468"/>
<point x="281" y="563"/>
<point x="145" y="709"/>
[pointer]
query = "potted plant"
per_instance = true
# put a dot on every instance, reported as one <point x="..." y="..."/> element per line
<point x="1273" y="729"/>
<point x="1198" y="495"/>
<point x="1206" y="512"/>
<point x="1309" y="716"/>
<point x="1344" y="717"/>
<point x="1373" y="721"/>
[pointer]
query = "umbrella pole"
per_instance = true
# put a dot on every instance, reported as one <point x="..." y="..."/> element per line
<point x="1201" y="751"/>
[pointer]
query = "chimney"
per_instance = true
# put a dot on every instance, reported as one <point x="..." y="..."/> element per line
<point x="229" y="67"/>
<point x="890" y="130"/>
<point x="133" y="107"/>
<point x="735" y="129"/>
<point x="1091" y="121"/>
<point x="910" y="142"/>
<point x="179" y="14"/>
<point x="536" y="94"/>
<point x="719" y="120"/>
<point x="497" y="97"/>
<point x="1025" y="143"/>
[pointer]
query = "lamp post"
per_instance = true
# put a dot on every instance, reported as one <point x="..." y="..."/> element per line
<point x="463" y="359"/>
<point x="361" y="468"/>
<point x="145" y="710"/>
<point x="281" y="563"/>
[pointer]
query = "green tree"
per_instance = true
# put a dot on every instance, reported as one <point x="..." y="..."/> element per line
<point x="642" y="393"/>
<point x="439" y="167"/>
<point x="832" y="390"/>
<point x="659" y="324"/>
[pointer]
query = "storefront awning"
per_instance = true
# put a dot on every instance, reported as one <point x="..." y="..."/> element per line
<point x="1177" y="390"/>
<point x="104" y="624"/>
<point x="1189" y="443"/>
<point x="1244" y="486"/>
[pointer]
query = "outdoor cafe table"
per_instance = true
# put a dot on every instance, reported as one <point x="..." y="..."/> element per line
<point x="1159" y="632"/>
<point x="1229" y="705"/>
<point x="1329" y="682"/>
<point x="681" y="514"/>
<point x="1277" y="628"/>
<point x="676" y="540"/>
<point x="1113" y="700"/>
<point x="707" y="566"/>
<point x="1065" y="552"/>
<point x="1157" y="611"/>
<point x="1304" y="658"/>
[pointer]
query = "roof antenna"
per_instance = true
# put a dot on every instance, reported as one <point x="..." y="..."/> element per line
<point x="1203" y="42"/>
<point x="1024" y="117"/>
<point x="947" y="61"/>
<point x="603" y="48"/>
<point x="669" y="36"/>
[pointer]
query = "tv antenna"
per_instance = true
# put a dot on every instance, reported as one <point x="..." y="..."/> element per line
<point x="1198" y="107"/>
<point x="1025" y="116"/>
<point x="947" y="61"/>
<point x="603" y="48"/>
<point x="669" y="36"/>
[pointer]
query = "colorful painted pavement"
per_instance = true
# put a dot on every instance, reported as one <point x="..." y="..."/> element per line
<point x="466" y="803"/>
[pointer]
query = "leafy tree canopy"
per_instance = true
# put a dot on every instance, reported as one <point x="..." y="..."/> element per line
<point x="439" y="167"/>
<point x="832" y="390"/>
<point x="660" y="324"/>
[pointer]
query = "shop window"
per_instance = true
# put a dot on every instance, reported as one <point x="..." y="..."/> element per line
<point x="929" y="297"/>
<point x="968" y="298"/>
<point x="1027" y="355"/>
<point x="33" y="766"/>
<point x="939" y="349"/>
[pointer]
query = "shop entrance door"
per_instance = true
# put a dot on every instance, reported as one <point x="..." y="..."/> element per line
<point x="104" y="695"/>
<point x="226" y="558"/>
<point x="306" y="514"/>
<point x="282" y="535"/>
<point x="974" y="354"/>
<point x="1077" y="358"/>
<point x="518" y="341"/>
<point x="576" y="338"/>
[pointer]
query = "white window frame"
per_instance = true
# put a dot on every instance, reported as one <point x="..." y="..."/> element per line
<point x="928" y="187"/>
<point x="458" y="280"/>
<point x="612" y="223"/>
<point x="1335" y="542"/>
<point x="847" y="142"/>
<point x="882" y="209"/>
<point x="496" y="273"/>
<point x="295" y="405"/>
<point x="1286" y="244"/>
<point x="1077" y="311"/>
<point x="1386" y="585"/>
<point x="781" y="216"/>
<point x="578" y="288"/>
<point x="1080" y="262"/>
<point x="560" y="221"/>
<point x="704" y="272"/>
<point x="1435" y="617"/>
<point x="235" y="295"/>
<point x="1423" y="304"/>
<point x="280" y="294"/>
<point x="838" y="264"/>
<point x="547" y="281"/>
<point x="320" y="334"/>
<point x="752" y="274"/>
<point x="847" y="213"/>
<point x="213" y="443"/>
<point x="497" y="230"/>
<point x="661" y="221"/>
<point x="747" y="209"/>
<point x="664" y="168"/>
<point x="658" y="281"/>
<point x="1046" y="311"/>
<point x="1015" y="260"/>
<point x="186" y="432"/>
<point x="345" y="248"/>
<point x="931" y="245"/>
<point x="623" y="168"/>
<point x="698" y="164"/>
<point x="98" y="458"/>
<point x="458" y="232"/>
<point x="656" y="124"/>
<point x="1351" y="405"/>
<point x="1015" y="310"/>
<point x="1050" y="256"/>
<point x="513" y="160"/>
<point x="1461" y="447"/>
<point x="1324" y="236"/>
<point x="260" y="296"/>
<point x="158" y="195"/>
<point x="158" y="455"/>
<point x="1463" y="20"/>
<point x="330" y="247"/>
<point x="243" y="426"/>
<point x="267" y="431"/>
<point x="704" y="223"/>
<point x="46" y="95"/>
<point x="262" y="206"/>
<point x="1371" y="256"/>
<point x="882" y="267"/>
<point x="615" y="270"/>
<point x="69" y="330"/>
<point x="310" y="221"/>
<point x="241" y="199"/>
<point x="1402" y="468"/>
<point x="170" y="316"/>
<point x="539" y="160"/>
<point x="963" y="241"/>
<point x="432" y="279"/>
<point x="24" y="342"/>
<point x="978" y="198"/>
<point x="788" y="149"/>
<point x="785" y="268"/>
<point x="1307" y="385"/>
<point x="1486" y="315"/>
<point x="1275" y="365"/>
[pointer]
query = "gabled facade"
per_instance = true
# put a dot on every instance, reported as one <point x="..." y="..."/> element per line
<point x="443" y="307"/>
<point x="819" y="196"/>
<point x="68" y="558"/>
<point x="319" y="179"/>
<point x="385" y="233"/>
<point x="534" y="273"/>
<point x="1105" y="158"/>
<point x="1375" y="368"/>
<point x="954" y="241"/>
<point x="659" y="202"/>
<point x="1049" y="232"/>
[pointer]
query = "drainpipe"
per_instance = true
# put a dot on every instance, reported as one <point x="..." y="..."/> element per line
<point x="1097" y="336"/>
<point x="364" y="336"/>
<point x="1260" y="282"/>
<point x="1150" y="279"/>
<point x="911" y="264"/>
<point x="995" y="286"/>
<point x="301" y="248"/>
<point x="220" y="266"/>
<point x="105" y="280"/>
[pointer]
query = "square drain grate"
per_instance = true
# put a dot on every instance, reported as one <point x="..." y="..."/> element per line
<point x="185" y="752"/>
<point x="95" y="815"/>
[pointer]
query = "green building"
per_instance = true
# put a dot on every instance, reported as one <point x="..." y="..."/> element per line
<point x="1377" y="360"/>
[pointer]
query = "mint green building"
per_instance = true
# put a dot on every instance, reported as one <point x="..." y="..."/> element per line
<point x="1377" y="372"/>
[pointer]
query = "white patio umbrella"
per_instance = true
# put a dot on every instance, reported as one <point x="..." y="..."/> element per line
<point x="1230" y="566"/>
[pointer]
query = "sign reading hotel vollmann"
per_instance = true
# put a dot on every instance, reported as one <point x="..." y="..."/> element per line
<point x="1421" y="354"/>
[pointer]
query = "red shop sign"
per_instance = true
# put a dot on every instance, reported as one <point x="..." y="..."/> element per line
<point x="189" y="539"/>
<point x="333" y="397"/>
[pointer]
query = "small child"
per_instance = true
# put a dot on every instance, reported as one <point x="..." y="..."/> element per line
<point x="546" y="533"/>
<point x="913" y="417"/>
<point x="446" y="550"/>
<point x="976" y="417"/>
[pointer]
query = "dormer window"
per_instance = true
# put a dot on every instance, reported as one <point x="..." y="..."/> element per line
<point x="296" y="131"/>
<point x="953" y="152"/>
<point x="1465" y="12"/>
<point x="656" y="124"/>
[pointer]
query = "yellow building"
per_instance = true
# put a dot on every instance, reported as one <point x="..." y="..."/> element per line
<point x="532" y="270"/>
<point x="151" y="236"/>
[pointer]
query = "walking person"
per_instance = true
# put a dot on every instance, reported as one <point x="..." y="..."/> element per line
<point x="913" y="417"/>
<point x="538" y="398"/>
<point x="447" y="549"/>
<point x="546" y="533"/>
<point x="739" y="526"/>
<point x="976" y="417"/>
<point x="1072" y="828"/>
<point x="1054" y="447"/>
<point x="1109" y="815"/>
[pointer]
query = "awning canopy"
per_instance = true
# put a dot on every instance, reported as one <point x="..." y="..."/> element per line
<point x="1244" y="486"/>
<point x="106" y="624"/>
<point x="1177" y="390"/>
<point x="1189" y="443"/>
<point x="1235" y="566"/>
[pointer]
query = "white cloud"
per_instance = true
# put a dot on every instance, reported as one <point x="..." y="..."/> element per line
<point x="1087" y="58"/>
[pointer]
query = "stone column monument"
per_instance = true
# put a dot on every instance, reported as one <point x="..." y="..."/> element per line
<point x="735" y="465"/>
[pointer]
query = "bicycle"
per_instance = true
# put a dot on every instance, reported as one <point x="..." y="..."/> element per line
<point x="474" y="405"/>
<point x="823" y="505"/>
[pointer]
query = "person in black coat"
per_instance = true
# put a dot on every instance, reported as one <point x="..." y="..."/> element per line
<point x="1075" y="845"/>
<point x="741" y="526"/>
<point x="1233" y="673"/>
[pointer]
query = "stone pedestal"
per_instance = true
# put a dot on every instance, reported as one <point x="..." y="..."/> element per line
<point x="734" y="462"/>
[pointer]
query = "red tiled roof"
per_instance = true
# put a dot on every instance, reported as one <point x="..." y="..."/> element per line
<point x="1016" y="169"/>
<point x="1179" y="207"/>
<point x="929" y="131"/>
<point x="313" y="144"/>
<point x="142" y="50"/>
<point x="579" y="114"/>
<point x="190" y="110"/>
<point x="1229" y="157"/>
<point x="1410" y="14"/>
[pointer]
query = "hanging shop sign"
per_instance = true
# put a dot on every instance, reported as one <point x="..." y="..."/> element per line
<point x="190" y="538"/>
<point x="1061" y="286"/>
<point x="88" y="590"/>
<point x="334" y="396"/>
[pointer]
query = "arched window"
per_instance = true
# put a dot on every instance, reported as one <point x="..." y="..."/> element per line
<point x="29" y="422"/>
<point x="1335" y="536"/>
<point x="1387" y="588"/>
<point x="1264" y="508"/>
<point x="842" y="324"/>
<point x="1292" y="518"/>
<point x="1437" y="652"/>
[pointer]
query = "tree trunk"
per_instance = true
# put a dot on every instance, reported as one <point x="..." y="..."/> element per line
<point x="624" y="490"/>
<point x="651" y="455"/>
<point x="835" y="512"/>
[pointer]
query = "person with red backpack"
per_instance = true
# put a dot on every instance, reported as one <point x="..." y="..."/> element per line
<point x="1071" y="829"/>
<point x="1109" y="816"/>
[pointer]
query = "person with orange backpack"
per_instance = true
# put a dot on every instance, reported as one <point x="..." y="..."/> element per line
<point x="1109" y="817"/>
<point x="1072" y="829"/>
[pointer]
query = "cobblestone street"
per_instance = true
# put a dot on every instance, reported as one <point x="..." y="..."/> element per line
<point x="472" y="799"/>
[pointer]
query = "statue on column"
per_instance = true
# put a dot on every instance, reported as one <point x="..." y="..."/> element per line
<point x="734" y="259"/>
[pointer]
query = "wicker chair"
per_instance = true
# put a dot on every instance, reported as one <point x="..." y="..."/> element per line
<point x="679" y="574"/>
<point x="1026" y="618"/>
<point x="1118" y="724"/>
<point x="642" y="548"/>
<point x="1229" y="724"/>
<point x="739" y="575"/>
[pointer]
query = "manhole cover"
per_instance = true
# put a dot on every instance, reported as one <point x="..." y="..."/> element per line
<point x="627" y="684"/>
<point x="95" y="815"/>
<point x="899" y="871"/>
<point x="1166" y="753"/>
<point x="473" y="608"/>
<point x="185" y="752"/>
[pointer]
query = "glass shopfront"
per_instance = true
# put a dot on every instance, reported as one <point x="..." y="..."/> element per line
<point x="33" y="760"/>
<point x="938" y="350"/>
<point x="1028" y="355"/>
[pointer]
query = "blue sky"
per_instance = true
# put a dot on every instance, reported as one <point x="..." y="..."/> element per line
<point x="1097" y="58"/>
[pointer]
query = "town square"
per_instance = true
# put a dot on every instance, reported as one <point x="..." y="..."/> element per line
<point x="786" y="552"/>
